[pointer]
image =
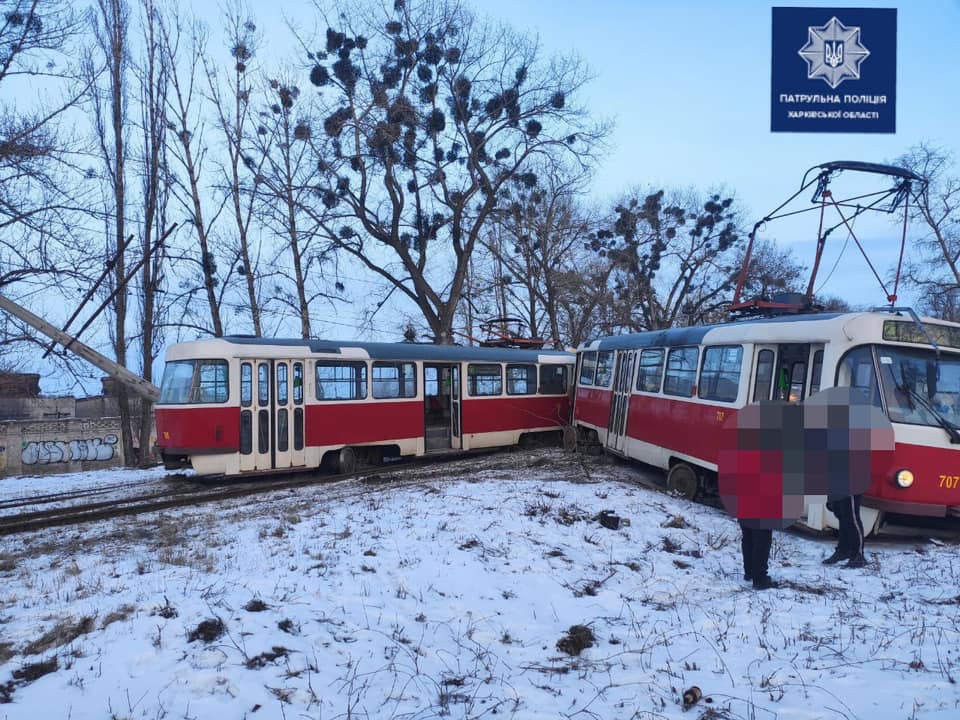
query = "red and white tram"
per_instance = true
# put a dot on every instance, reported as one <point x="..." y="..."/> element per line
<point x="661" y="397"/>
<point x="236" y="405"/>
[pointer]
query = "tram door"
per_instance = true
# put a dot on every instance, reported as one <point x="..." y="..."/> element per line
<point x="456" y="432"/>
<point x="622" y="381"/>
<point x="441" y="396"/>
<point x="788" y="372"/>
<point x="764" y="361"/>
<point x="271" y="414"/>
<point x="287" y="414"/>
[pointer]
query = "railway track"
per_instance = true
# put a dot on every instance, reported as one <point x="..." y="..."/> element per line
<point x="179" y="497"/>
<point x="11" y="504"/>
<point x="189" y="494"/>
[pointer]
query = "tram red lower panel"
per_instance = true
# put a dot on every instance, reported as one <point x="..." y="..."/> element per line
<point x="593" y="406"/>
<point x="367" y="422"/>
<point x="198" y="429"/>
<point x="514" y="413"/>
<point x="688" y="428"/>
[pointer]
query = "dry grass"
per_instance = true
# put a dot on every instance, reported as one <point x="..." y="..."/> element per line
<point x="64" y="632"/>
<point x="118" y="615"/>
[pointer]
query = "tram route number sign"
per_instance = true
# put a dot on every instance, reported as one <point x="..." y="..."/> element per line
<point x="834" y="70"/>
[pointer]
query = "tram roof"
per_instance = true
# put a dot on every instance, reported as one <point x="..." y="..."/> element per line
<point x="695" y="334"/>
<point x="404" y="351"/>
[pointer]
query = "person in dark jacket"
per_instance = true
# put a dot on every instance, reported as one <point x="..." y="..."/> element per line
<point x="755" y="544"/>
<point x="850" y="530"/>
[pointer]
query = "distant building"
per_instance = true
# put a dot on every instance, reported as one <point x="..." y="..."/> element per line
<point x="20" y="399"/>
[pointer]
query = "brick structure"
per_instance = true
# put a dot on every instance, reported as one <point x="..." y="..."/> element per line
<point x="19" y="385"/>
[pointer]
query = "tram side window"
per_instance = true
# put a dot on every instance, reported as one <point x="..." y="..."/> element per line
<point x="553" y="379"/>
<point x="484" y="380"/>
<point x="298" y="384"/>
<point x="282" y="384"/>
<point x="588" y="368"/>
<point x="720" y="376"/>
<point x="764" y="376"/>
<point x="681" y="375"/>
<point x="650" y="372"/>
<point x="394" y="380"/>
<point x="263" y="385"/>
<point x="341" y="381"/>
<point x="521" y="379"/>
<point x="246" y="384"/>
<point x="856" y="370"/>
<point x="604" y="368"/>
<point x="798" y="378"/>
<point x="817" y="372"/>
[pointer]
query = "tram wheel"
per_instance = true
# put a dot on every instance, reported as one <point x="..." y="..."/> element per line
<point x="682" y="479"/>
<point x="346" y="461"/>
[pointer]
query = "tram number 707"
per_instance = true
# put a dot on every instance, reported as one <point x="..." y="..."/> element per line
<point x="950" y="481"/>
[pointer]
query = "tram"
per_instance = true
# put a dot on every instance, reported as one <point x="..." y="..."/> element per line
<point x="661" y="397"/>
<point x="240" y="406"/>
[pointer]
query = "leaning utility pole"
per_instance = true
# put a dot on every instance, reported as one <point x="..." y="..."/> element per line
<point x="137" y="384"/>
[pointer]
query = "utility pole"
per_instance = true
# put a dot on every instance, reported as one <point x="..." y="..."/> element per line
<point x="137" y="384"/>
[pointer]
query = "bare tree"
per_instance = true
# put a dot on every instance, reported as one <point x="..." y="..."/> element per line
<point x="673" y="257"/>
<point x="111" y="24"/>
<point x="233" y="106"/>
<point x="935" y="269"/>
<point x="187" y="147"/>
<point x="535" y="243"/>
<point x="287" y="182"/>
<point x="131" y="141"/>
<point x="153" y="75"/>
<point x="428" y="114"/>
<point x="41" y="191"/>
<point x="587" y="307"/>
<point x="772" y="270"/>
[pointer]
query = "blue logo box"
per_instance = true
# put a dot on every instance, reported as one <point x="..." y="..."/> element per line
<point x="834" y="70"/>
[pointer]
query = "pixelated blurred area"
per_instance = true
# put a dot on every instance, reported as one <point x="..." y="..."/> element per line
<point x="772" y="454"/>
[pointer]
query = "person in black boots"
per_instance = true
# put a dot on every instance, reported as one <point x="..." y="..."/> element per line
<point x="850" y="530"/>
<point x="755" y="544"/>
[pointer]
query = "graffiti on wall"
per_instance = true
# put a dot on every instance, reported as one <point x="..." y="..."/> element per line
<point x="45" y="452"/>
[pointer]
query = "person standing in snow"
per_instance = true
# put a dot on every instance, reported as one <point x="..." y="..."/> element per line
<point x="755" y="544"/>
<point x="850" y="530"/>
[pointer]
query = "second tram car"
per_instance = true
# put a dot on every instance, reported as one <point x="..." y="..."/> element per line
<point x="237" y="406"/>
<point x="661" y="397"/>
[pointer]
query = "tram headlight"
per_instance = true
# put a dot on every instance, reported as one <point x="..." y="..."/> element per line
<point x="903" y="478"/>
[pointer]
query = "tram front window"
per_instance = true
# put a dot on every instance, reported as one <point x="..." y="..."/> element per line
<point x="918" y="387"/>
<point x="194" y="381"/>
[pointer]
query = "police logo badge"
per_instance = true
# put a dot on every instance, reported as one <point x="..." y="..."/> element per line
<point x="833" y="53"/>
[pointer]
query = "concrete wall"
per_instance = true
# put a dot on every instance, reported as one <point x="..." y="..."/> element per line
<point x="30" y="447"/>
<point x="37" y="408"/>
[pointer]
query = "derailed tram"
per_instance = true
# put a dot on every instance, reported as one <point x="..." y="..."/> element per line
<point x="661" y="397"/>
<point x="237" y="406"/>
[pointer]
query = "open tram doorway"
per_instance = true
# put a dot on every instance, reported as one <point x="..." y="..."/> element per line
<point x="790" y="372"/>
<point x="441" y="407"/>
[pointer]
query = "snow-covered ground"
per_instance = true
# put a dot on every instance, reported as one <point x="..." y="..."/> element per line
<point x="99" y="485"/>
<point x="455" y="596"/>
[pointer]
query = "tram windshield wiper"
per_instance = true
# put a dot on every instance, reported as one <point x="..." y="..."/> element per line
<point x="911" y="394"/>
